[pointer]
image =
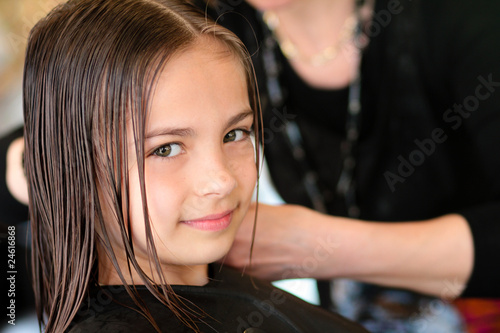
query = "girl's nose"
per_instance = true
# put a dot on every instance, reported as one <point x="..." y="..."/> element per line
<point x="215" y="179"/>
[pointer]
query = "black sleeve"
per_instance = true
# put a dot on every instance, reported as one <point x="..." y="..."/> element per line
<point x="480" y="68"/>
<point x="470" y="35"/>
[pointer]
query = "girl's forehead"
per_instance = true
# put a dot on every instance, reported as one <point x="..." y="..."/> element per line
<point x="203" y="60"/>
<point x="209" y="50"/>
<point x="205" y="77"/>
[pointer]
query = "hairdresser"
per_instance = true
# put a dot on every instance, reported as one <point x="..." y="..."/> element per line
<point x="383" y="119"/>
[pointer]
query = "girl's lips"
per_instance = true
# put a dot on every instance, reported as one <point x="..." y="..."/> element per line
<point x="213" y="222"/>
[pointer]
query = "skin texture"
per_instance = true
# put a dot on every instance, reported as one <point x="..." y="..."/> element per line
<point x="200" y="164"/>
<point x="270" y="4"/>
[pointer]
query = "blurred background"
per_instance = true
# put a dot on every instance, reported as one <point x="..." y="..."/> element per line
<point x="17" y="17"/>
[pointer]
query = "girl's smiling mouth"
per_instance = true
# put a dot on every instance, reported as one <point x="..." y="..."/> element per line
<point x="214" y="222"/>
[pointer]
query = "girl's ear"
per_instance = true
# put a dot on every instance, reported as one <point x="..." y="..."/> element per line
<point x="15" y="176"/>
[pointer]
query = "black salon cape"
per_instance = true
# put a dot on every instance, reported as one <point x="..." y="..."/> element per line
<point x="231" y="304"/>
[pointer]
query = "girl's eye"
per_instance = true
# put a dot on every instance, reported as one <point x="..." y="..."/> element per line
<point x="170" y="150"/>
<point x="236" y="135"/>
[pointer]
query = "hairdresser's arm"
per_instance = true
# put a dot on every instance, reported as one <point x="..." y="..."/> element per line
<point x="432" y="257"/>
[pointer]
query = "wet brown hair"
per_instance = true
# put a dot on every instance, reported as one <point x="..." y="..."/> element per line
<point x="91" y="66"/>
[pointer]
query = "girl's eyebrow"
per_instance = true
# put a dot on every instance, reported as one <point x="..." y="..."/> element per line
<point x="190" y="132"/>
<point x="170" y="131"/>
<point x="239" y="117"/>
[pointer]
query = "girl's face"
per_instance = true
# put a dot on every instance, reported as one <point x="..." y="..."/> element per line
<point x="200" y="168"/>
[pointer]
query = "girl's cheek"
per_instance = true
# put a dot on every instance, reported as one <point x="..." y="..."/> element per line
<point x="243" y="160"/>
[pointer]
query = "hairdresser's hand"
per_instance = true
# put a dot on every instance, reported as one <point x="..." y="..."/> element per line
<point x="293" y="241"/>
<point x="289" y="243"/>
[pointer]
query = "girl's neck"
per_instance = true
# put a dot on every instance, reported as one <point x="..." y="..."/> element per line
<point x="194" y="275"/>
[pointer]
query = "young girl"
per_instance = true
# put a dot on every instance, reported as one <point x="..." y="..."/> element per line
<point x="141" y="165"/>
